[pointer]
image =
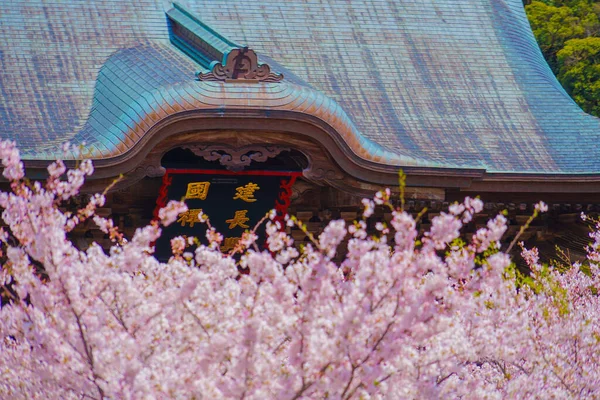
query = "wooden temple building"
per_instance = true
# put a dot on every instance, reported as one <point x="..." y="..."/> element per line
<point x="324" y="100"/>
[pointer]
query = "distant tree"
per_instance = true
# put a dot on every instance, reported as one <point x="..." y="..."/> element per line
<point x="561" y="3"/>
<point x="553" y="26"/>
<point x="567" y="32"/>
<point x="579" y="72"/>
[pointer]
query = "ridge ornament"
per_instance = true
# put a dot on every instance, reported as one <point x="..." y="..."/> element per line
<point x="240" y="65"/>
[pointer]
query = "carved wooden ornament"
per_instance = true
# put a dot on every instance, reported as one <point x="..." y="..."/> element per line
<point x="236" y="159"/>
<point x="240" y="65"/>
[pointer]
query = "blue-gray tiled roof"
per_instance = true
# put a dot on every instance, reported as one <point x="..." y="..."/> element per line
<point x="457" y="83"/>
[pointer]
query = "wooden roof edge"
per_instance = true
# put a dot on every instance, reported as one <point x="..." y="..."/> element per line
<point x="332" y="162"/>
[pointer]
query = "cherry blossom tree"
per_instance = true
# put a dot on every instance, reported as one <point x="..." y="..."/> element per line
<point x="402" y="315"/>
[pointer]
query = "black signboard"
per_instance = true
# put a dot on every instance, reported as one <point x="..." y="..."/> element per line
<point x="233" y="201"/>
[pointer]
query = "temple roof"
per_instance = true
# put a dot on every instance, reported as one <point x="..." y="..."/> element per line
<point x="444" y="84"/>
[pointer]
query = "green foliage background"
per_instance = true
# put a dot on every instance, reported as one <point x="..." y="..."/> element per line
<point x="568" y="32"/>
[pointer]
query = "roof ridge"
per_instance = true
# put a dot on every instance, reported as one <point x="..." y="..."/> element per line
<point x="196" y="39"/>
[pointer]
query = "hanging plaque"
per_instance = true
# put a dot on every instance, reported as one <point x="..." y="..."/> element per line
<point x="233" y="201"/>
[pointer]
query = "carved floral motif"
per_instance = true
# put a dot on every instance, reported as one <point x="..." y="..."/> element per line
<point x="240" y="64"/>
<point x="236" y="159"/>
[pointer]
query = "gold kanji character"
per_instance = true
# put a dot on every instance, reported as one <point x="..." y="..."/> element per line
<point x="246" y="192"/>
<point x="239" y="219"/>
<point x="197" y="190"/>
<point x="190" y="217"/>
<point x="229" y="244"/>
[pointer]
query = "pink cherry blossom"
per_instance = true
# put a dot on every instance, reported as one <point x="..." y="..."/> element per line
<point x="405" y="316"/>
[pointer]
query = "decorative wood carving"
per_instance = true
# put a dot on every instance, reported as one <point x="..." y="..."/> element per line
<point x="236" y="159"/>
<point x="240" y="65"/>
<point x="301" y="187"/>
<point x="151" y="170"/>
<point x="321" y="171"/>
